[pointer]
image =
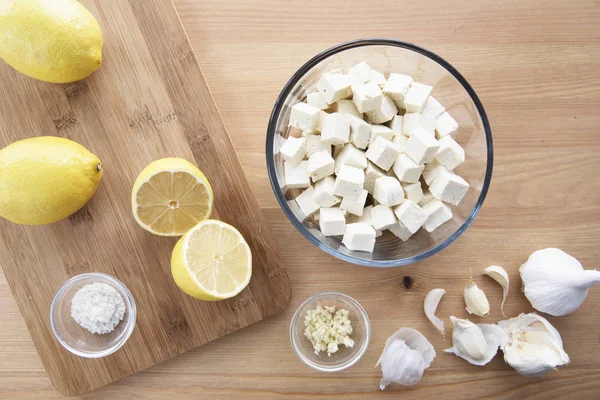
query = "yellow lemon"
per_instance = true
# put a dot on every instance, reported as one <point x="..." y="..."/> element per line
<point x="56" y="41"/>
<point x="212" y="261"/>
<point x="170" y="196"/>
<point x="46" y="179"/>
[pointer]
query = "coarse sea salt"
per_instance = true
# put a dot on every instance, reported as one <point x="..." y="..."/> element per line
<point x="98" y="307"/>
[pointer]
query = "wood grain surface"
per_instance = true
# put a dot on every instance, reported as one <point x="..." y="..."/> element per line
<point x="535" y="66"/>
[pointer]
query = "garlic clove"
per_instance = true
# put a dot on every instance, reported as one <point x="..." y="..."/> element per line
<point x="499" y="275"/>
<point x="476" y="343"/>
<point x="430" y="305"/>
<point x="555" y="282"/>
<point x="475" y="299"/>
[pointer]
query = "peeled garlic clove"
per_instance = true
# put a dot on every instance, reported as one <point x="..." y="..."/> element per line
<point x="477" y="344"/>
<point x="556" y="283"/>
<point x="475" y="299"/>
<point x="499" y="275"/>
<point x="406" y="355"/>
<point x="533" y="346"/>
<point x="430" y="305"/>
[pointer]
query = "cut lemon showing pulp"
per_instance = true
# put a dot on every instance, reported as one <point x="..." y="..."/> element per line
<point x="212" y="261"/>
<point x="170" y="196"/>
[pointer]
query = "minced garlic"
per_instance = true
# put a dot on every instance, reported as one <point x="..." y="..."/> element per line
<point x="327" y="328"/>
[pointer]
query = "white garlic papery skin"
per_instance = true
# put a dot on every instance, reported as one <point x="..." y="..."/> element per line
<point x="533" y="346"/>
<point x="476" y="343"/>
<point x="406" y="355"/>
<point x="475" y="299"/>
<point x="430" y="305"/>
<point x="556" y="283"/>
<point x="499" y="275"/>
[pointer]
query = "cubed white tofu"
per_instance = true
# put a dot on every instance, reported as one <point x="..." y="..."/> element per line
<point x="332" y="221"/>
<point x="410" y="215"/>
<point x="396" y="86"/>
<point x="382" y="153"/>
<point x="400" y="142"/>
<point x="421" y="146"/>
<point x="352" y="156"/>
<point x="406" y="169"/>
<point x="396" y="124"/>
<point x="344" y="107"/>
<point x="378" y="78"/>
<point x="335" y="129"/>
<point x="304" y="116"/>
<point x="427" y="197"/>
<point x="381" y="130"/>
<point x="317" y="130"/>
<point x="334" y="87"/>
<point x="320" y="165"/>
<point x="450" y="154"/>
<point x="323" y="192"/>
<point x="314" y="144"/>
<point x="448" y="187"/>
<point x="432" y="108"/>
<point x="354" y="205"/>
<point x="414" y="121"/>
<point x="366" y="96"/>
<point x="360" y="73"/>
<point x="349" y="182"/>
<point x="366" y="216"/>
<point x="359" y="237"/>
<point x="388" y="191"/>
<point x="416" y="97"/>
<point x="360" y="131"/>
<point x="384" y="112"/>
<point x="445" y="125"/>
<point x="382" y="217"/>
<point x="372" y="173"/>
<point x="317" y="100"/>
<point x="401" y="231"/>
<point x="306" y="203"/>
<point x="431" y="170"/>
<point x="294" y="150"/>
<point x="296" y="176"/>
<point x="413" y="191"/>
<point x="437" y="213"/>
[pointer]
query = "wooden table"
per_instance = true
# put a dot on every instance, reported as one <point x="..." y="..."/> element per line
<point x="536" y="68"/>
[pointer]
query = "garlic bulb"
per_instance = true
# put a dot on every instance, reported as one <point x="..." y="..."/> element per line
<point x="499" y="275"/>
<point x="432" y="300"/>
<point x="533" y="346"/>
<point x="406" y="355"/>
<point x="555" y="283"/>
<point x="477" y="344"/>
<point x="475" y="299"/>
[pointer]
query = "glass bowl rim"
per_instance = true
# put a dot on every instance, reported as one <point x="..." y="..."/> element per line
<point x="129" y="305"/>
<point x="270" y="139"/>
<point x="296" y="318"/>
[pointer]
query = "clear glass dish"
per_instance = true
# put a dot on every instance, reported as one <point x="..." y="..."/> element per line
<point x="79" y="340"/>
<point x="450" y="88"/>
<point x="345" y="357"/>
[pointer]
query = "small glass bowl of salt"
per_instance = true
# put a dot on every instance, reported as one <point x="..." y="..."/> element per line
<point x="93" y="315"/>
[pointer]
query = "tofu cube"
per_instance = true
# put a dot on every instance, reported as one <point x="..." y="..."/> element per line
<point x="306" y="203"/>
<point x="383" y="153"/>
<point x="314" y="145"/>
<point x="378" y="78"/>
<point x="445" y="125"/>
<point x="344" y="107"/>
<point x="431" y="170"/>
<point x="360" y="131"/>
<point x="366" y="216"/>
<point x="432" y="108"/>
<point x="372" y="173"/>
<point x="323" y="192"/>
<point x="381" y="130"/>
<point x="332" y="221"/>
<point x="317" y="100"/>
<point x="349" y="182"/>
<point x="400" y="142"/>
<point x="448" y="187"/>
<point x="359" y="237"/>
<point x="320" y="165"/>
<point x="293" y="150"/>
<point x="304" y="116"/>
<point x="410" y="215"/>
<point x="352" y="156"/>
<point x="354" y="205"/>
<point x="401" y="231"/>
<point x="296" y="176"/>
<point x="360" y="73"/>
<point x="450" y="154"/>
<point x="334" y="87"/>
<point x="382" y="217"/>
<point x="335" y="129"/>
<point x="413" y="191"/>
<point x="396" y="87"/>
<point x="416" y="96"/>
<point x="437" y="213"/>
<point x="388" y="191"/>
<point x="427" y="197"/>
<point x="383" y="113"/>
<point x="366" y="96"/>
<point x="406" y="169"/>
<point x="414" y="121"/>
<point x="396" y="124"/>
<point x="421" y="147"/>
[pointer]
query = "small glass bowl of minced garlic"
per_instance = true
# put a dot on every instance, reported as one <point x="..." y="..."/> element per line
<point x="92" y="315"/>
<point x="330" y="331"/>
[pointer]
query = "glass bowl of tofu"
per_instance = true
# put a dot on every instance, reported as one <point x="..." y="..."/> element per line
<point x="379" y="152"/>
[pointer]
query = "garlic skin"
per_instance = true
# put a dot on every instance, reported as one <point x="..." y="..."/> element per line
<point x="475" y="299"/>
<point x="499" y="275"/>
<point x="533" y="346"/>
<point x="477" y="344"/>
<point x="430" y="305"/>
<point x="555" y="283"/>
<point x="406" y="355"/>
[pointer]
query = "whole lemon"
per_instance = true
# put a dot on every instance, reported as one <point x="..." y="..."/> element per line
<point x="56" y="41"/>
<point x="46" y="179"/>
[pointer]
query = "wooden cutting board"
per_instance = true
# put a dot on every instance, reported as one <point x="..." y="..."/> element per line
<point x="148" y="100"/>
